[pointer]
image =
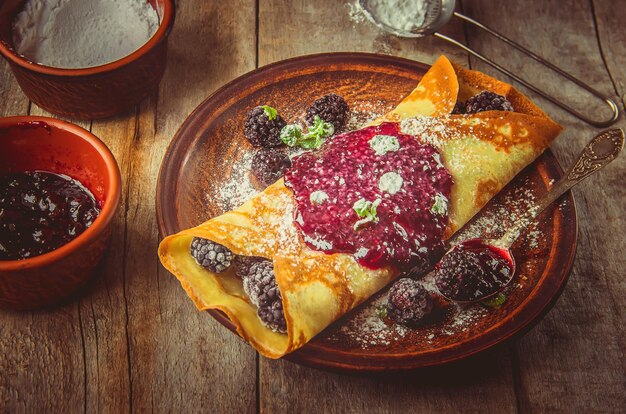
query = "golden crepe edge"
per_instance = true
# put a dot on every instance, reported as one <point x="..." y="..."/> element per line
<point x="318" y="288"/>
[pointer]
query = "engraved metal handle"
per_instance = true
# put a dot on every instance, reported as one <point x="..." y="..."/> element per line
<point x="596" y="123"/>
<point x="599" y="152"/>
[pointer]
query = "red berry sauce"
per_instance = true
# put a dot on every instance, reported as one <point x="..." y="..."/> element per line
<point x="472" y="271"/>
<point x="41" y="211"/>
<point x="408" y="229"/>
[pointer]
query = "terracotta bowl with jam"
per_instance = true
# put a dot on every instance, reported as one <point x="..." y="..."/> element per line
<point x="96" y="92"/>
<point x="60" y="188"/>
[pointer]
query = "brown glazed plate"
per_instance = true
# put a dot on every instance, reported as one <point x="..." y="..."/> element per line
<point x="205" y="172"/>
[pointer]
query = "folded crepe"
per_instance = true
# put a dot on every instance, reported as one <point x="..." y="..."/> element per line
<point x="482" y="152"/>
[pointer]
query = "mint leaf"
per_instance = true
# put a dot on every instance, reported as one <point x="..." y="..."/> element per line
<point x="361" y="207"/>
<point x="367" y="210"/>
<point x="381" y="311"/>
<point x="270" y="112"/>
<point x="310" y="141"/>
<point x="291" y="134"/>
<point x="440" y="206"/>
<point x="496" y="301"/>
<point x="321" y="128"/>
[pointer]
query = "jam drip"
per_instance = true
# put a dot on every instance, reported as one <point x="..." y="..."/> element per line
<point x="41" y="211"/>
<point x="375" y="193"/>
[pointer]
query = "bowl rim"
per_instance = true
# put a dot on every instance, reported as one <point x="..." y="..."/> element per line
<point x="165" y="27"/>
<point x="107" y="213"/>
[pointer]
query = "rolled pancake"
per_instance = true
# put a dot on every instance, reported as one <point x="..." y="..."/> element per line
<point x="482" y="152"/>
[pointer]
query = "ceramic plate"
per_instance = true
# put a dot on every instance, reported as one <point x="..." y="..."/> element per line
<point x="205" y="172"/>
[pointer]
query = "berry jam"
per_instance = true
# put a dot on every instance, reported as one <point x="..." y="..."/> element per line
<point x="41" y="211"/>
<point x="375" y="193"/>
<point x="472" y="271"/>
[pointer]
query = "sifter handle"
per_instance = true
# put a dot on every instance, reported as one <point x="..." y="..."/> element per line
<point x="596" y="123"/>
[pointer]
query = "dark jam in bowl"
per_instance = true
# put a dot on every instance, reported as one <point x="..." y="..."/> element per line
<point x="404" y="180"/>
<point x="41" y="211"/>
<point x="472" y="271"/>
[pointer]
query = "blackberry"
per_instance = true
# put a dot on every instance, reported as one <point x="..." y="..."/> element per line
<point x="273" y="316"/>
<point x="260" y="283"/>
<point x="263" y="127"/>
<point x="459" y="108"/>
<point x="470" y="272"/>
<point x="242" y="264"/>
<point x="331" y="108"/>
<point x="262" y="289"/>
<point x="408" y="302"/>
<point x="268" y="165"/>
<point x="210" y="255"/>
<point x="487" y="101"/>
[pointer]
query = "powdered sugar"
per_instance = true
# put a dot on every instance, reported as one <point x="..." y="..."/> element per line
<point x="429" y="130"/>
<point x="369" y="327"/>
<point x="400" y="15"/>
<point x="363" y="114"/>
<point x="82" y="33"/>
<point x="238" y="187"/>
<point x="504" y="212"/>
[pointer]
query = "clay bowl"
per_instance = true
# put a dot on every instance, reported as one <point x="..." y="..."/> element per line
<point x="205" y="172"/>
<point x="37" y="143"/>
<point x="96" y="92"/>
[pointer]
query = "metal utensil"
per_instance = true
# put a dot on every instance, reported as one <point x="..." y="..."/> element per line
<point x="439" y="12"/>
<point x="599" y="152"/>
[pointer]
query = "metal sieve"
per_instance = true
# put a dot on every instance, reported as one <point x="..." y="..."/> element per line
<point x="439" y="12"/>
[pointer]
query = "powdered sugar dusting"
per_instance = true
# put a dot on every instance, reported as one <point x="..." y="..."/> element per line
<point x="367" y="327"/>
<point x="504" y="212"/>
<point x="355" y="11"/>
<point x="238" y="188"/>
<point x="370" y="328"/>
<point x="397" y="15"/>
<point x="363" y="114"/>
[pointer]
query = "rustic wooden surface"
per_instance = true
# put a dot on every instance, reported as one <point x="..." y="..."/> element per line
<point x="136" y="343"/>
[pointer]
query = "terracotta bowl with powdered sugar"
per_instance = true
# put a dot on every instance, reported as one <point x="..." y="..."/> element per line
<point x="94" y="92"/>
<point x="206" y="172"/>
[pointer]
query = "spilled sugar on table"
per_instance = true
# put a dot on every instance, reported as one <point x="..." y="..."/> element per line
<point x="135" y="342"/>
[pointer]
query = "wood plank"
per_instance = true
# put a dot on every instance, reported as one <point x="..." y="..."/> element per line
<point x="482" y="384"/>
<point x="42" y="359"/>
<point x="42" y="352"/>
<point x="36" y="110"/>
<point x="12" y="100"/>
<point x="163" y="352"/>
<point x="573" y="360"/>
<point x="135" y="342"/>
<point x="609" y="22"/>
<point x="300" y="27"/>
<point x="612" y="40"/>
<point x="291" y="28"/>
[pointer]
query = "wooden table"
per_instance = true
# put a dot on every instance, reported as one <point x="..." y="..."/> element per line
<point x="135" y="342"/>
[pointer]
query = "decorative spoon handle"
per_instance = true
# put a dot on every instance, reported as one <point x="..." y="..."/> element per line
<point x="598" y="153"/>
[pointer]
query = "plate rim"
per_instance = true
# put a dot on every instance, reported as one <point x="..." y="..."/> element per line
<point x="398" y="362"/>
